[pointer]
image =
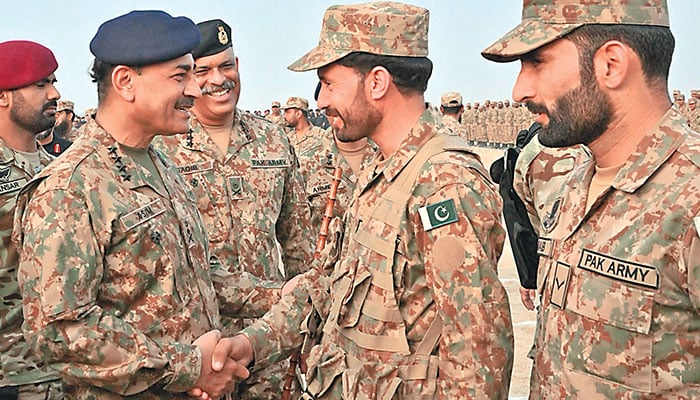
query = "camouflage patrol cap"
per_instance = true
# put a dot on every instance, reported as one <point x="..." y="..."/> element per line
<point x="275" y="104"/>
<point x="297" y="102"/>
<point x="695" y="93"/>
<point x="65" y="105"/>
<point x="544" y="21"/>
<point x="451" y="99"/>
<point x="382" y="28"/>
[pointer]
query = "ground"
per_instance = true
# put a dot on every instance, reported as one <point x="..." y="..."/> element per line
<point x="523" y="320"/>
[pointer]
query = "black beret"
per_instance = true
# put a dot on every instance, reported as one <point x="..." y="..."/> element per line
<point x="143" y="38"/>
<point x="216" y="37"/>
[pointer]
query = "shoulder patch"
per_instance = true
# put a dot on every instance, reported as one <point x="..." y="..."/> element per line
<point x="439" y="214"/>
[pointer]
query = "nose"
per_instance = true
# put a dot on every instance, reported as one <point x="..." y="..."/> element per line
<point x="322" y="100"/>
<point x="54" y="94"/>
<point x="523" y="89"/>
<point x="191" y="87"/>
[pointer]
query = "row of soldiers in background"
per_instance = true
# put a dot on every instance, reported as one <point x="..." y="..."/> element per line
<point x="689" y="108"/>
<point x="490" y="124"/>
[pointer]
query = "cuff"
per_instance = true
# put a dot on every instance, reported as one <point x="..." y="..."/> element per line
<point x="184" y="367"/>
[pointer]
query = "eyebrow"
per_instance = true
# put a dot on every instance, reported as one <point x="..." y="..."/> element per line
<point x="185" y="67"/>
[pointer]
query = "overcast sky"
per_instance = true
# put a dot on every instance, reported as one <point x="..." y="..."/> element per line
<point x="269" y="35"/>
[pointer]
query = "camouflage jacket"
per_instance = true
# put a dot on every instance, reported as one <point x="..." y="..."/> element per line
<point x="540" y="175"/>
<point x="114" y="273"/>
<point x="19" y="365"/>
<point x="317" y="166"/>
<point x="456" y="127"/>
<point x="309" y="139"/>
<point x="396" y="287"/>
<point x="621" y="281"/>
<point x="249" y="200"/>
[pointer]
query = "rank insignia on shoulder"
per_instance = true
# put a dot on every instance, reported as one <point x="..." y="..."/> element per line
<point x="438" y="214"/>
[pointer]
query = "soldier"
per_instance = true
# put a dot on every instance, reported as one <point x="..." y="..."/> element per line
<point x="414" y="307"/>
<point x="53" y="139"/>
<point x="318" y="163"/>
<point x="27" y="106"/>
<point x="619" y="248"/>
<point x="693" y="114"/>
<point x="250" y="194"/>
<point x="303" y="133"/>
<point x="275" y="116"/>
<point x="114" y="267"/>
<point x="452" y="109"/>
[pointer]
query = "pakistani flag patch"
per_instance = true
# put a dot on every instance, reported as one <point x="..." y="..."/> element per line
<point x="438" y="214"/>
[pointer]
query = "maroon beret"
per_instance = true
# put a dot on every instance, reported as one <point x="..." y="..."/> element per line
<point x="23" y="62"/>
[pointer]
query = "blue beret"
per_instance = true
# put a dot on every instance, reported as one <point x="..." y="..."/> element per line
<point x="143" y="38"/>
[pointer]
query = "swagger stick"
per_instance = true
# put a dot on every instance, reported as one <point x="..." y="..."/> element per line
<point x="294" y="360"/>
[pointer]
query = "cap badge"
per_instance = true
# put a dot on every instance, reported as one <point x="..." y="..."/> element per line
<point x="223" y="37"/>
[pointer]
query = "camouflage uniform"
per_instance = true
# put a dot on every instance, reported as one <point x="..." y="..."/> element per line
<point x="409" y="310"/>
<point x="619" y="291"/>
<point x="114" y="273"/>
<point x="455" y="126"/>
<point x="19" y="365"/>
<point x="308" y="139"/>
<point x="250" y="201"/>
<point x="317" y="166"/>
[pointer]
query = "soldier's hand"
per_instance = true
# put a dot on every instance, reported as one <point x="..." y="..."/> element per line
<point x="237" y="349"/>
<point x="527" y="297"/>
<point x="290" y="284"/>
<point x="211" y="383"/>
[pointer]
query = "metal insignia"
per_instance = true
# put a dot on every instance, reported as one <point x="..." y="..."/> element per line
<point x="223" y="37"/>
<point x="550" y="219"/>
<point x="4" y="173"/>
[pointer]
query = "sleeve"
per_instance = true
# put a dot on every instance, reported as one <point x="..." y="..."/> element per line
<point x="476" y="345"/>
<point x="60" y="275"/>
<point x="278" y="333"/>
<point x="242" y="294"/>
<point x="294" y="231"/>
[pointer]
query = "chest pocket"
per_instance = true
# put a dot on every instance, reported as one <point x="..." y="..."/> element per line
<point x="613" y="341"/>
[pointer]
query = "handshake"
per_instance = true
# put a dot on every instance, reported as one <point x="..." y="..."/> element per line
<point x="223" y="360"/>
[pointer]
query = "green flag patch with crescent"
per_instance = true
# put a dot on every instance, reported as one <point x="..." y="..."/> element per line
<point x="438" y="214"/>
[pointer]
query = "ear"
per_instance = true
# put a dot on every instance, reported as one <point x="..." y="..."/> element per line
<point x="4" y="98"/>
<point x="613" y="63"/>
<point x="123" y="81"/>
<point x="377" y="82"/>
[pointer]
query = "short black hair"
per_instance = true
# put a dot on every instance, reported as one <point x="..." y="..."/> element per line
<point x="101" y="73"/>
<point x="451" y="110"/>
<point x="410" y="74"/>
<point x="653" y="44"/>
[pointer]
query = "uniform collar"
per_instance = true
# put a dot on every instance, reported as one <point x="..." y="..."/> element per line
<point x="198" y="139"/>
<point x="123" y="167"/>
<point x="654" y="149"/>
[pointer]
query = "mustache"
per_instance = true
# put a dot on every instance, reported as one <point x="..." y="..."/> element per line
<point x="536" y="108"/>
<point x="228" y="84"/>
<point x="185" y="102"/>
<point x="49" y="104"/>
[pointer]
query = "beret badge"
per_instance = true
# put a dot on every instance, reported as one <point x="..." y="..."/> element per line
<point x="223" y="37"/>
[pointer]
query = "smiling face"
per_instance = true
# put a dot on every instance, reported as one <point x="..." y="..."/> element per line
<point x="164" y="94"/>
<point x="342" y="94"/>
<point x="218" y="78"/>
<point x="567" y="100"/>
<point x="33" y="107"/>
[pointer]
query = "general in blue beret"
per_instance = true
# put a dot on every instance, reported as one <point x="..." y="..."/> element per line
<point x="143" y="38"/>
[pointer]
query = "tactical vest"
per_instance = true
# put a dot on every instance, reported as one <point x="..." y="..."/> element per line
<point x="353" y="364"/>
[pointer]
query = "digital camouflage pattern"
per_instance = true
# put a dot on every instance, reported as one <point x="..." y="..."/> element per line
<point x="302" y="143"/>
<point x="540" y="174"/>
<point x="451" y="99"/>
<point x="114" y="273"/>
<point x="621" y="287"/>
<point x="455" y="126"/>
<point x="317" y="166"/>
<point x="395" y="286"/>
<point x="19" y="365"/>
<point x="251" y="199"/>
<point x="386" y="28"/>
<point x="544" y="21"/>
